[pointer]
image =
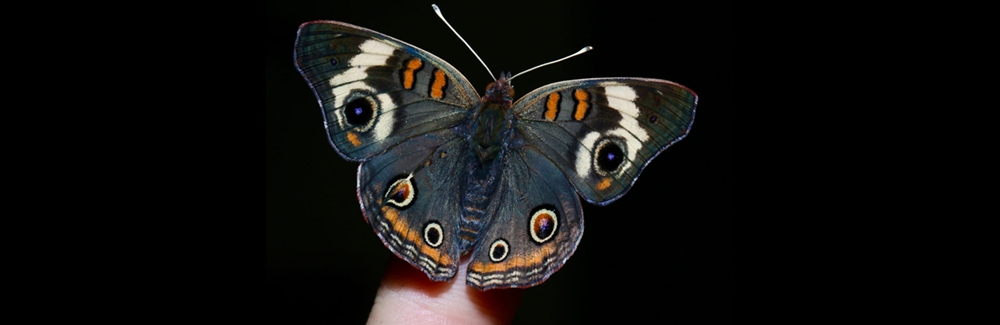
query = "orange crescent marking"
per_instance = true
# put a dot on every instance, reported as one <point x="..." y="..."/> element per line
<point x="551" y="107"/>
<point x="411" y="67"/>
<point x="532" y="260"/>
<point x="353" y="138"/>
<point x="438" y="86"/>
<point x="581" y="104"/>
<point x="413" y="237"/>
<point x="604" y="184"/>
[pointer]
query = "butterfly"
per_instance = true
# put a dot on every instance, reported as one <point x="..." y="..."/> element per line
<point x="445" y="172"/>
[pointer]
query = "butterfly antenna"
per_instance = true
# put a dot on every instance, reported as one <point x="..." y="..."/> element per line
<point x="581" y="51"/>
<point x="438" y="11"/>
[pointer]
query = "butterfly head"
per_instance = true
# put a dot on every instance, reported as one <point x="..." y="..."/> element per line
<point x="500" y="91"/>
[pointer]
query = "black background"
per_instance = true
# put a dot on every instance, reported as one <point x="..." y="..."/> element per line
<point x="663" y="252"/>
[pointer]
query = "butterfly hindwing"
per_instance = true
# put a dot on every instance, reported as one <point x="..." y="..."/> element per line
<point x="409" y="197"/>
<point x="537" y="223"/>
<point x="375" y="90"/>
<point x="602" y="132"/>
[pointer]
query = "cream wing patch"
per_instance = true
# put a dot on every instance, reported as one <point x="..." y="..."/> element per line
<point x="375" y="53"/>
<point x="583" y="155"/>
<point x="383" y="127"/>
<point x="622" y="99"/>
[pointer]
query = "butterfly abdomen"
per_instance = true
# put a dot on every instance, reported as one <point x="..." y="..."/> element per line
<point x="481" y="182"/>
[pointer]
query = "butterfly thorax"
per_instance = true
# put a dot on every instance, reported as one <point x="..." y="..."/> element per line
<point x="492" y="120"/>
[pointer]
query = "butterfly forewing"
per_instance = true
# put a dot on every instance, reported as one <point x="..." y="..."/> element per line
<point x="602" y="132"/>
<point x="377" y="91"/>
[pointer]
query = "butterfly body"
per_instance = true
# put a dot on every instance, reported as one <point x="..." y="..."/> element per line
<point x="446" y="173"/>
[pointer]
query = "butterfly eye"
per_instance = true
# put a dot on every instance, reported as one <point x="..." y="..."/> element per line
<point x="499" y="250"/>
<point x="543" y="224"/>
<point x="359" y="112"/>
<point x="609" y="156"/>
<point x="433" y="234"/>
